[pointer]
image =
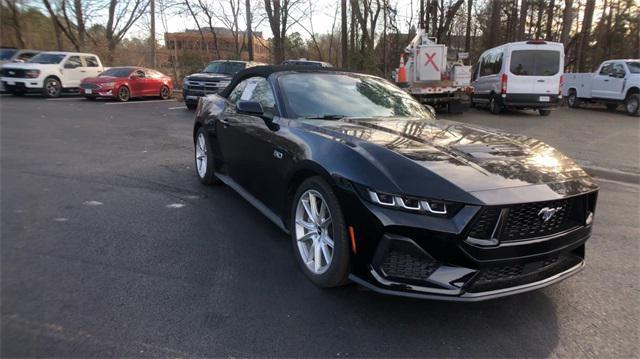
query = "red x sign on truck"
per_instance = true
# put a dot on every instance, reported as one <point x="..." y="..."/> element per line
<point x="430" y="60"/>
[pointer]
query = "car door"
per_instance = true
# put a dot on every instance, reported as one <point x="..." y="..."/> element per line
<point x="92" y="65"/>
<point x="600" y="86"/>
<point x="138" y="83"/>
<point x="615" y="86"/>
<point x="73" y="72"/>
<point x="248" y="145"/>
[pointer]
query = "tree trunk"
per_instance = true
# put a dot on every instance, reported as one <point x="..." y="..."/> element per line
<point x="249" y="29"/>
<point x="550" y="11"/>
<point x="79" y="14"/>
<point x="343" y="35"/>
<point x="522" y="23"/>
<point x="467" y="37"/>
<point x="539" y="20"/>
<point x="57" y="34"/>
<point x="567" y="22"/>
<point x="152" y="35"/>
<point x="494" y="26"/>
<point x="581" y="63"/>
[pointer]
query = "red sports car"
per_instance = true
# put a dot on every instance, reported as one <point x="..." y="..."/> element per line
<point x="124" y="83"/>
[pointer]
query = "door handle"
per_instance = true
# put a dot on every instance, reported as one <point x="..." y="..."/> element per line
<point x="606" y="80"/>
<point x="83" y="71"/>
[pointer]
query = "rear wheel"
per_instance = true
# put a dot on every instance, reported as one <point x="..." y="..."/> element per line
<point x="319" y="235"/>
<point x="573" y="101"/>
<point x="165" y="93"/>
<point x="632" y="104"/>
<point x="544" y="113"/>
<point x="494" y="106"/>
<point x="123" y="94"/>
<point x="51" y="88"/>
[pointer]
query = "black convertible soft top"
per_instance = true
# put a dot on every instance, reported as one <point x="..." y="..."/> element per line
<point x="265" y="71"/>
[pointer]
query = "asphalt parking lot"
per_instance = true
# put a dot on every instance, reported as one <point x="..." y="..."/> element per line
<point x="111" y="247"/>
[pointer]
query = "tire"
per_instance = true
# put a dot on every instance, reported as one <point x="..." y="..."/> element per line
<point x="123" y="94"/>
<point x="632" y="104"/>
<point x="572" y="100"/>
<point x="165" y="92"/>
<point x="191" y="106"/>
<point x="612" y="106"/>
<point x="332" y="267"/>
<point x="544" y="113"/>
<point x="203" y="156"/>
<point x="494" y="106"/>
<point x="51" y="88"/>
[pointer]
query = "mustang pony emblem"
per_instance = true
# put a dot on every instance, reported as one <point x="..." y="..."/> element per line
<point x="547" y="213"/>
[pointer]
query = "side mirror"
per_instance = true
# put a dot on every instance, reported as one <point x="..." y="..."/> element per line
<point x="249" y="108"/>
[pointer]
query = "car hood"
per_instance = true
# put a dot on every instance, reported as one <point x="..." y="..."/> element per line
<point x="208" y="76"/>
<point x="28" y="65"/>
<point x="470" y="157"/>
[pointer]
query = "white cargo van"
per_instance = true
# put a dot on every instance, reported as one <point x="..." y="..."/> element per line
<point x="521" y="75"/>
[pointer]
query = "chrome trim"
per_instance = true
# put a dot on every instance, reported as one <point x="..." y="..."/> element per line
<point x="376" y="199"/>
<point x="427" y="207"/>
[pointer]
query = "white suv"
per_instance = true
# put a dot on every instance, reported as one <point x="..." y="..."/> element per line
<point x="50" y="73"/>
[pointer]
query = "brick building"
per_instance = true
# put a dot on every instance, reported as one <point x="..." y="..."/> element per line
<point x="191" y="41"/>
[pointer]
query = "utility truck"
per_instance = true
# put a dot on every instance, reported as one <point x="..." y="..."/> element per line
<point x="615" y="82"/>
<point x="430" y="78"/>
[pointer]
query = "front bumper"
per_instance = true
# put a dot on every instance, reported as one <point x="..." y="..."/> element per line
<point x="414" y="255"/>
<point x="97" y="92"/>
<point x="21" y="84"/>
<point x="191" y="93"/>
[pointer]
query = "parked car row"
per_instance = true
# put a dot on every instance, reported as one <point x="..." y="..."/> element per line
<point x="52" y="73"/>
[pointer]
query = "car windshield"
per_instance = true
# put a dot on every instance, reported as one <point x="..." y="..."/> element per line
<point x="336" y="95"/>
<point x="229" y="68"/>
<point x="634" y="67"/>
<point x="6" y="54"/>
<point x="47" y="58"/>
<point x="535" y="62"/>
<point x="117" y="72"/>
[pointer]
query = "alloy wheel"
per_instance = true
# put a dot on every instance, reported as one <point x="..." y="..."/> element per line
<point x="123" y="94"/>
<point x="201" y="156"/>
<point x="164" y="92"/>
<point x="53" y="88"/>
<point x="632" y="105"/>
<point x="313" y="231"/>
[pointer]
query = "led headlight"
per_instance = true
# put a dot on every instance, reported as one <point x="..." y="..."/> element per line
<point x="32" y="74"/>
<point x="107" y="84"/>
<point x="413" y="204"/>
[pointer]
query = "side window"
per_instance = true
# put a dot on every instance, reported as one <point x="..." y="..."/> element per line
<point x="497" y="63"/>
<point x="73" y="62"/>
<point x="618" y="70"/>
<point x="25" y="56"/>
<point x="91" y="61"/>
<point x="235" y="94"/>
<point x="140" y="73"/>
<point x="259" y="90"/>
<point x="606" y="69"/>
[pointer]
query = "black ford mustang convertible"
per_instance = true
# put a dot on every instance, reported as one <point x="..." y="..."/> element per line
<point x="373" y="189"/>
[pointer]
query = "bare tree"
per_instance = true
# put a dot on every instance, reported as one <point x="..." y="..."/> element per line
<point x="16" y="22"/>
<point x="584" y="35"/>
<point x="122" y="16"/>
<point x="467" y="38"/>
<point x="567" y="21"/>
<point x="59" y="14"/>
<point x="494" y="25"/>
<point x="280" y="17"/>
<point x="550" y="12"/>
<point x="522" y="22"/>
<point x="343" y="34"/>
<point x="248" y="13"/>
<point x="228" y="13"/>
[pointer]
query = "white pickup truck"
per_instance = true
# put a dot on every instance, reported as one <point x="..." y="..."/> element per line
<point x="615" y="82"/>
<point x="50" y="73"/>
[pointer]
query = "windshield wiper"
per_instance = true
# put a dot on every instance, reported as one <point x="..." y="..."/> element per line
<point x="326" y="117"/>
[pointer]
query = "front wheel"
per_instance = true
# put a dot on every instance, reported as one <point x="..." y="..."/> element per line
<point x="319" y="234"/>
<point x="191" y="105"/>
<point x="632" y="104"/>
<point x="544" y="113"/>
<point x="123" y="94"/>
<point x="52" y="88"/>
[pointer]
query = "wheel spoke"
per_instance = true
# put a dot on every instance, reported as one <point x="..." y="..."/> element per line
<point x="328" y="241"/>
<point x="314" y="208"/>
<point x="307" y="225"/>
<point x="307" y="209"/>
<point x="307" y="237"/>
<point x="310" y="253"/>
<point x="317" y="256"/>
<point x="326" y="254"/>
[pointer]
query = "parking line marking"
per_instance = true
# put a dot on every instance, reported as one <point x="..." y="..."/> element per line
<point x="66" y="99"/>
<point x="138" y="102"/>
<point x="178" y="108"/>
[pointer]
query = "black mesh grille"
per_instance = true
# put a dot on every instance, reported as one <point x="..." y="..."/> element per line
<point x="90" y="86"/>
<point x="526" y="220"/>
<point x="407" y="266"/>
<point x="486" y="222"/>
<point x="15" y="73"/>
<point x="513" y="275"/>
